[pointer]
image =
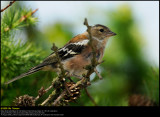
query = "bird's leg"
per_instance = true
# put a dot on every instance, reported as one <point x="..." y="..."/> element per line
<point x="69" y="76"/>
<point x="70" y="79"/>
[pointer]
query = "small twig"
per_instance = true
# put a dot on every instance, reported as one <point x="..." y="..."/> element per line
<point x="59" y="60"/>
<point x="91" y="98"/>
<point x="93" y="61"/>
<point x="26" y="16"/>
<point x="22" y="19"/>
<point x="98" y="74"/>
<point x="100" y="62"/>
<point x="8" y="5"/>
<point x="49" y="98"/>
<point x="49" y="88"/>
<point x="42" y="91"/>
<point x="59" y="97"/>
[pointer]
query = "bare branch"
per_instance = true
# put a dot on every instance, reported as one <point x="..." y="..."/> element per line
<point x="99" y="75"/>
<point x="10" y="4"/>
<point x="91" y="98"/>
<point x="49" y="98"/>
<point x="59" y="60"/>
<point x="59" y="97"/>
<point x="94" y="62"/>
<point x="90" y="42"/>
<point x="42" y="91"/>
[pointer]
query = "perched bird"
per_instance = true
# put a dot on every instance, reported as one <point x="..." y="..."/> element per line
<point x="76" y="54"/>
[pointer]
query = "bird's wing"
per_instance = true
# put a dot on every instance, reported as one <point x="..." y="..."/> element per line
<point x="72" y="48"/>
<point x="69" y="50"/>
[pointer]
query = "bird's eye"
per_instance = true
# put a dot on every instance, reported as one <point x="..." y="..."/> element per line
<point x="101" y="30"/>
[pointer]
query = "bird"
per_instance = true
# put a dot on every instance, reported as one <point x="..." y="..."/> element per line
<point x="75" y="54"/>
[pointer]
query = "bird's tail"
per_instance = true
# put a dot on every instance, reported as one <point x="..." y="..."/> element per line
<point x="31" y="71"/>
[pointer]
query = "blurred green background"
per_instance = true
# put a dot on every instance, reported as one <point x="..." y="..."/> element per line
<point x="126" y="70"/>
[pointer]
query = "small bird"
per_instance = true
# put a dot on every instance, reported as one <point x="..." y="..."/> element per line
<point x="76" y="54"/>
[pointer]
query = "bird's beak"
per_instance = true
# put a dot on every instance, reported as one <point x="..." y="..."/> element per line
<point x="111" y="34"/>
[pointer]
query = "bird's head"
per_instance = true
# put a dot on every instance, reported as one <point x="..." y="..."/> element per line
<point x="101" y="32"/>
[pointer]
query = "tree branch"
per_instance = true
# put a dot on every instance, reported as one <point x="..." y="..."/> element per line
<point x="26" y="16"/>
<point x="22" y="19"/>
<point x="10" y="4"/>
<point x="42" y="91"/>
<point x="90" y="97"/>
<point x="94" y="62"/>
<point x="99" y="75"/>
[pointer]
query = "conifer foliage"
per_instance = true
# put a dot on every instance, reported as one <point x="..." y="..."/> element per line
<point x="15" y="54"/>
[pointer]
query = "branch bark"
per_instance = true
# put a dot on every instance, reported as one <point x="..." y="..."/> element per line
<point x="10" y="4"/>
